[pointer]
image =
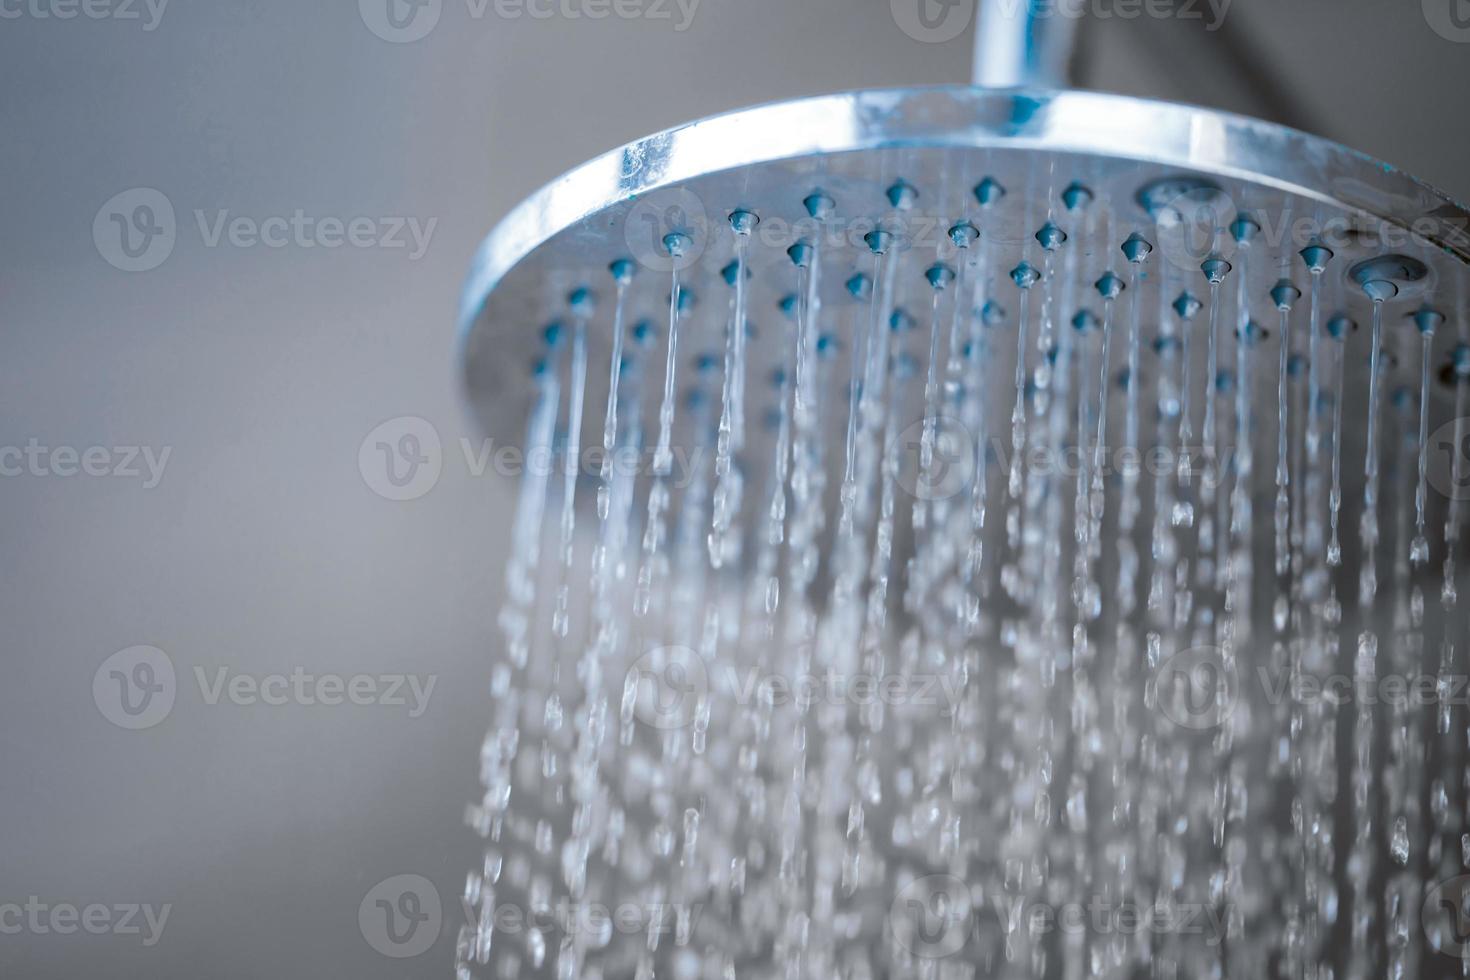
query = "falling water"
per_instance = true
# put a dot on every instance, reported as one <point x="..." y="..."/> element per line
<point x="939" y="277"/>
<point x="1284" y="295"/>
<point x="1460" y="367"/>
<point x="1339" y="328"/>
<point x="1025" y="277"/>
<point x="1098" y="500"/>
<point x="561" y="618"/>
<point x="1419" y="550"/>
<point x="1368" y="579"/>
<point x="662" y="455"/>
<point x="729" y="480"/>
<point x="622" y="272"/>
<point x="1211" y="527"/>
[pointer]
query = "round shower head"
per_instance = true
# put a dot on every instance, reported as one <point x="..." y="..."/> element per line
<point x="827" y="170"/>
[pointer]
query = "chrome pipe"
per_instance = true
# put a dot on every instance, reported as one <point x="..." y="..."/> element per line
<point x="1023" y="44"/>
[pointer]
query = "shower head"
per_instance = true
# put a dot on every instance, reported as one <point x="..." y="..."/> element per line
<point x="1101" y="418"/>
<point x="1100" y="167"/>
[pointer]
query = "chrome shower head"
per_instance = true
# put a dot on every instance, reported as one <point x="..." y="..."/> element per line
<point x="826" y="171"/>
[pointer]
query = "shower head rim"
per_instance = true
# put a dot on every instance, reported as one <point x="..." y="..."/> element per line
<point x="1163" y="134"/>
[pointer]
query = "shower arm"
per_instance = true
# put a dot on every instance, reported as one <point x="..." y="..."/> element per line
<point x="1018" y="46"/>
<point x="1031" y="43"/>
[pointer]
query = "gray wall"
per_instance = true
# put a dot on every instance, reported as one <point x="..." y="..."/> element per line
<point x="261" y="370"/>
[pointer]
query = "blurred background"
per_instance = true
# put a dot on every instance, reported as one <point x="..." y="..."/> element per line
<point x="247" y="660"/>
